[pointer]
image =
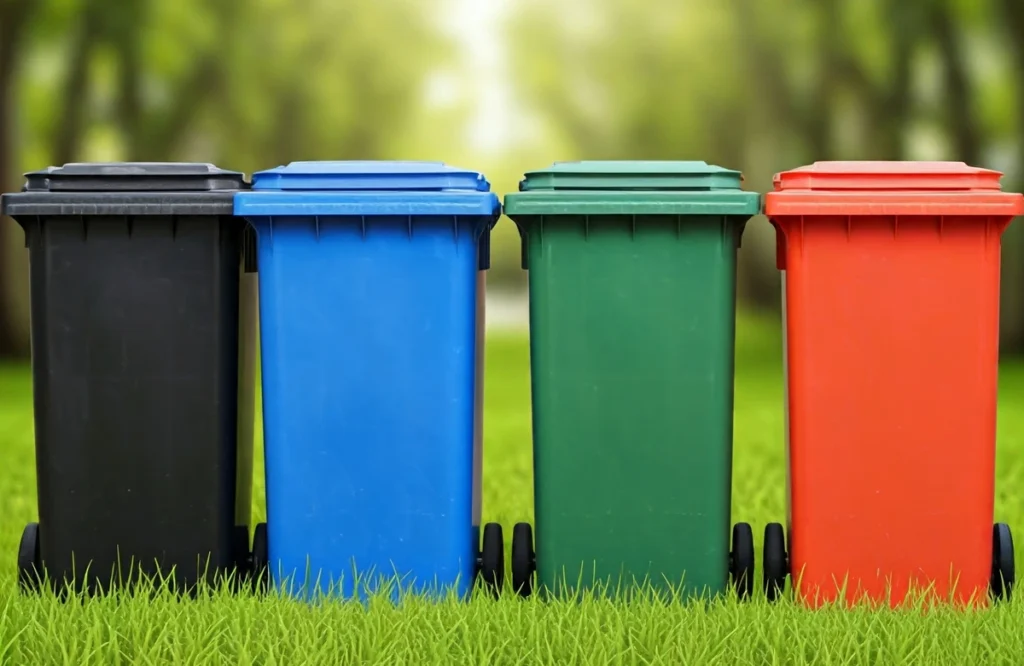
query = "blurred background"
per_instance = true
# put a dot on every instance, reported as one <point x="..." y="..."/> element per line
<point x="504" y="86"/>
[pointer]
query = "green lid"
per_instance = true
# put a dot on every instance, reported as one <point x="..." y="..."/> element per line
<point x="657" y="176"/>
<point x="632" y="188"/>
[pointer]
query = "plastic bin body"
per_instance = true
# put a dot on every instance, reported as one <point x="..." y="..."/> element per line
<point x="632" y="325"/>
<point x="368" y="310"/>
<point x="142" y="352"/>
<point x="892" y="293"/>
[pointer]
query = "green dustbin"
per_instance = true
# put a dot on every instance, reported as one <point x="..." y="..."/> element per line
<point x="632" y="331"/>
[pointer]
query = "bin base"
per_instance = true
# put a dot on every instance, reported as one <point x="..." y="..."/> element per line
<point x="741" y="560"/>
<point x="776" y="562"/>
<point x="490" y="565"/>
<point x="32" y="573"/>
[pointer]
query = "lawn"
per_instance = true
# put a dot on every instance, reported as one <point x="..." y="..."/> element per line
<point x="220" y="628"/>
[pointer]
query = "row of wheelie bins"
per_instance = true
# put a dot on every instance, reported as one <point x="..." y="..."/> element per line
<point x="370" y="280"/>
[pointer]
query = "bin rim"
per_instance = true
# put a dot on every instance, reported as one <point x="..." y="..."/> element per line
<point x="893" y="204"/>
<point x="27" y="205"/>
<point x="904" y="188"/>
<point x="369" y="176"/>
<point x="904" y="176"/>
<point x="125" y="177"/>
<point x="685" y="203"/>
<point x="635" y="175"/>
<point x="293" y="204"/>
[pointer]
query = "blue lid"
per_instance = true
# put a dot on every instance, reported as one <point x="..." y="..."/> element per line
<point x="370" y="176"/>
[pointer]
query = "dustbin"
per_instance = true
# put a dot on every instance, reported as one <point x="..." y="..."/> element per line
<point x="370" y="338"/>
<point x="892" y="296"/>
<point x="632" y="330"/>
<point x="142" y="307"/>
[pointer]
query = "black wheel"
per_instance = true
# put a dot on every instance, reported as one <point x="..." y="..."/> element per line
<point x="492" y="558"/>
<point x="259" y="569"/>
<point x="523" y="559"/>
<point x="29" y="565"/>
<point x="241" y="553"/>
<point x="1003" y="569"/>
<point x="775" y="561"/>
<point x="741" y="560"/>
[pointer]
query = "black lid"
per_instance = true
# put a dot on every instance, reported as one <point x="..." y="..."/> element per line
<point x="133" y="177"/>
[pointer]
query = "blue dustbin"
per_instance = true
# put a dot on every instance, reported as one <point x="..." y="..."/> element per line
<point x="370" y="334"/>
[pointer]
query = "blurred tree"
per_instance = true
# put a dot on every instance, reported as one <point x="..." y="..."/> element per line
<point x="244" y="83"/>
<point x="770" y="84"/>
<point x="70" y="122"/>
<point x="655" y="80"/>
<point x="14" y="21"/>
<point x="1010" y="15"/>
<point x="343" y="86"/>
<point x="635" y="81"/>
<point x="958" y="88"/>
<point x="761" y="85"/>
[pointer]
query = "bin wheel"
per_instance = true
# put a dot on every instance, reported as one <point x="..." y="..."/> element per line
<point x="241" y="555"/>
<point x="524" y="559"/>
<point x="741" y="560"/>
<point x="1003" y="568"/>
<point x="259" y="567"/>
<point x="492" y="558"/>
<point x="775" y="561"/>
<point x="29" y="564"/>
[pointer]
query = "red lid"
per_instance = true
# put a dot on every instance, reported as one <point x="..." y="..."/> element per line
<point x="950" y="176"/>
<point x="891" y="188"/>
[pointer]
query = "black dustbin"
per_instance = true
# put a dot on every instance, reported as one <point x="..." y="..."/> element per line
<point x="143" y="324"/>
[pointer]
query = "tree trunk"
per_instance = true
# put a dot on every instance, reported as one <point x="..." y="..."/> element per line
<point x="767" y="70"/>
<point x="829" y="57"/>
<point x="14" y="18"/>
<point x="1011" y="330"/>
<point x="889" y="104"/>
<point x="71" y="121"/>
<point x="895" y="106"/>
<point x="961" y="122"/>
<point x="125" y="29"/>
<point x="166" y="129"/>
<point x="779" y="122"/>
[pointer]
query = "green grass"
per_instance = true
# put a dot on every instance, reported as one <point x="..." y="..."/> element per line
<point x="221" y="628"/>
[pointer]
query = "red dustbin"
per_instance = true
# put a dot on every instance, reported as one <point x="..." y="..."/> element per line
<point x="892" y="320"/>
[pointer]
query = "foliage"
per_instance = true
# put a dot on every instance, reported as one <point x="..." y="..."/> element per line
<point x="245" y="82"/>
<point x="761" y="85"/>
<point x="658" y="80"/>
<point x="767" y="85"/>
